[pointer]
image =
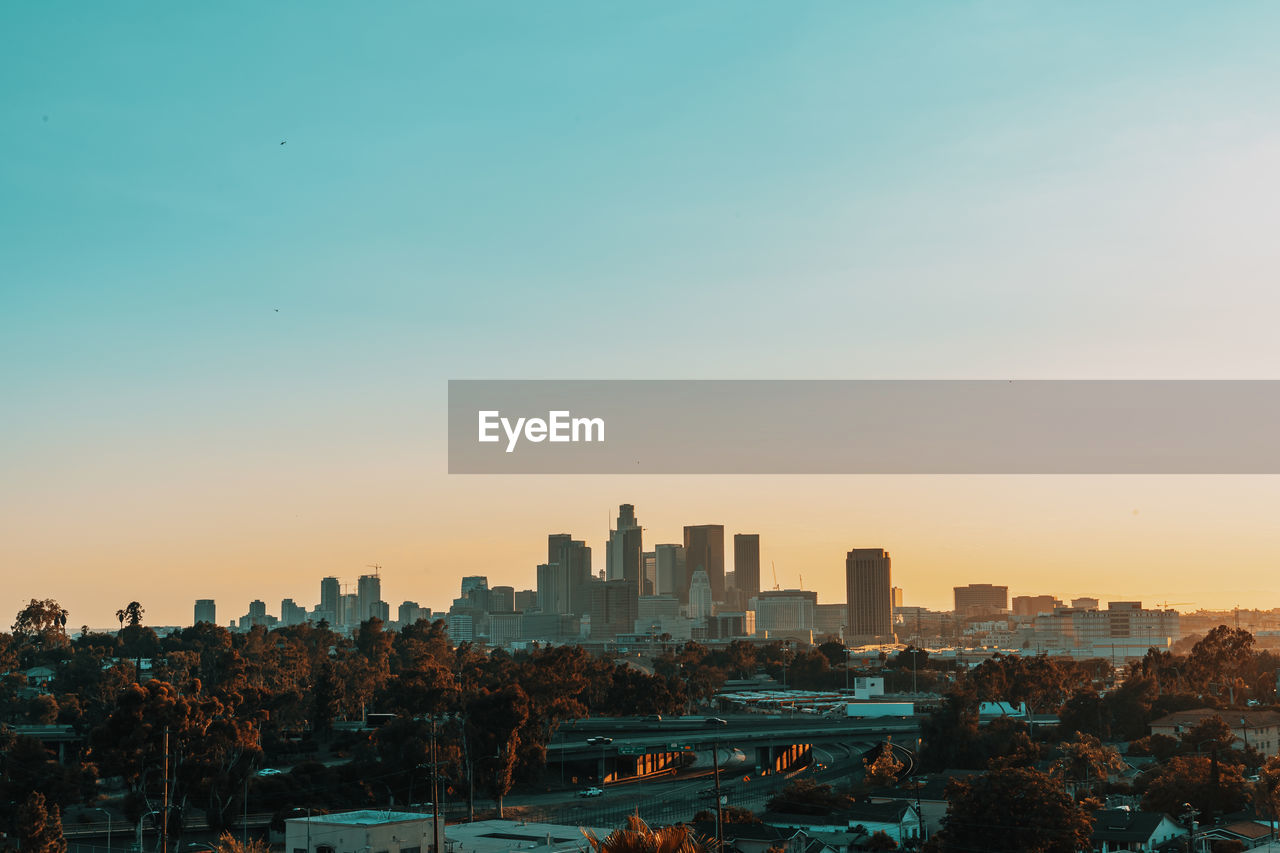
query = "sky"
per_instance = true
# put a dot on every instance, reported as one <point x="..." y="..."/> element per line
<point x="245" y="246"/>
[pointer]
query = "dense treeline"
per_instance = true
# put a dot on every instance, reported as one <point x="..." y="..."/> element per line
<point x="235" y="703"/>
<point x="1042" y="783"/>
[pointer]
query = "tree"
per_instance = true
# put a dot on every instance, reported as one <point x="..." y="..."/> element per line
<point x="1211" y="787"/>
<point x="228" y="843"/>
<point x="884" y="770"/>
<point x="39" y="827"/>
<point x="804" y="796"/>
<point x="879" y="841"/>
<point x="1086" y="759"/>
<point x="1223" y="656"/>
<point x="494" y="721"/>
<point x="637" y="837"/>
<point x="42" y="624"/>
<point x="1019" y="811"/>
<point x="1265" y="792"/>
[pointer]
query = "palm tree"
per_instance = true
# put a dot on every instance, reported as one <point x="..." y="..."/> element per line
<point x="637" y="837"/>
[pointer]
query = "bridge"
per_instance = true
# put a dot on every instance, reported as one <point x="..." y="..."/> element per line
<point x="614" y="749"/>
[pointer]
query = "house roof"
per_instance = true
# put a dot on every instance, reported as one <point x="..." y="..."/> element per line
<point x="1124" y="825"/>
<point x="1253" y="718"/>
<point x="1250" y="829"/>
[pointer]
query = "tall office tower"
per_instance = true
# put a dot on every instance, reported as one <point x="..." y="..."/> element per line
<point x="574" y="557"/>
<point x="206" y="611"/>
<point x="746" y="562"/>
<point x="699" y="596"/>
<point x="502" y="599"/>
<point x="330" y="592"/>
<point x="291" y="613"/>
<point x="866" y="574"/>
<point x="368" y="591"/>
<point x="526" y="599"/>
<point x="257" y="609"/>
<point x="623" y="559"/>
<point x="980" y="598"/>
<point x="670" y="566"/>
<point x="554" y="594"/>
<point x="649" y="571"/>
<point x="408" y="613"/>
<point x="895" y="596"/>
<point x="349" y="610"/>
<point x="614" y="607"/>
<point x="382" y="611"/>
<point x="471" y="582"/>
<point x="704" y="549"/>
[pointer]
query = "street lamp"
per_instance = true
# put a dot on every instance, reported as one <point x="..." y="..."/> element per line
<point x="108" y="814"/>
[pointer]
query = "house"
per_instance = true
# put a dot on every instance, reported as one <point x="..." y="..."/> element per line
<point x="1258" y="729"/>
<point x="897" y="819"/>
<point x="1122" y="829"/>
<point x="1250" y="833"/>
<point x="761" y="837"/>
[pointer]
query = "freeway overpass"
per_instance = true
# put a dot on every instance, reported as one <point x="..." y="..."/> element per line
<point x="611" y="749"/>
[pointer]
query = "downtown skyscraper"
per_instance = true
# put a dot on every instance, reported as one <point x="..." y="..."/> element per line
<point x="704" y="549"/>
<point x="867" y="585"/>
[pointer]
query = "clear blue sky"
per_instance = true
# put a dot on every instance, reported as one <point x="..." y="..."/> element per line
<point x="580" y="190"/>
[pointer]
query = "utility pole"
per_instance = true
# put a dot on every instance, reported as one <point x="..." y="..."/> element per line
<point x="715" y="762"/>
<point x="164" y="798"/>
<point x="437" y="837"/>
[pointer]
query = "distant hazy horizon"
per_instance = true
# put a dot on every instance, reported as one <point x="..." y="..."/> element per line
<point x="245" y="247"/>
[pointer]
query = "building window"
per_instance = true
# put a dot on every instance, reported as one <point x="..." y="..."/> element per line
<point x="410" y="850"/>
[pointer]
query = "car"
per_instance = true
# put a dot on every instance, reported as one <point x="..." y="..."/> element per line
<point x="653" y="718"/>
<point x="715" y="721"/>
<point x="270" y="771"/>
<point x="590" y="792"/>
<point x="599" y="741"/>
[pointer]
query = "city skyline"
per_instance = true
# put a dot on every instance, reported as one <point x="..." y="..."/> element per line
<point x="435" y="591"/>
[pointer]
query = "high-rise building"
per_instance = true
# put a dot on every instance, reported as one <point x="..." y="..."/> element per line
<point x="624" y="560"/>
<point x="704" y="549"/>
<point x="472" y="582"/>
<point x="1085" y="603"/>
<point x="526" y="599"/>
<point x="368" y="591"/>
<point x="746" y="562"/>
<point x="700" y="600"/>
<point x="554" y="589"/>
<point x="895" y="596"/>
<point x="574" y="558"/>
<point x="649" y="572"/>
<point x="330" y="593"/>
<point x="671" y="574"/>
<point x="206" y="611"/>
<point x="867" y="585"/>
<point x="292" y="613"/>
<point x="502" y="599"/>
<point x="614" y="606"/>
<point x="978" y="599"/>
<point x="349" y="610"/>
<point x="408" y="613"/>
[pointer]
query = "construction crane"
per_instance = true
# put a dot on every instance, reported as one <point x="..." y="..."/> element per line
<point x="375" y="566"/>
<point x="1165" y="605"/>
<point x="775" y="575"/>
